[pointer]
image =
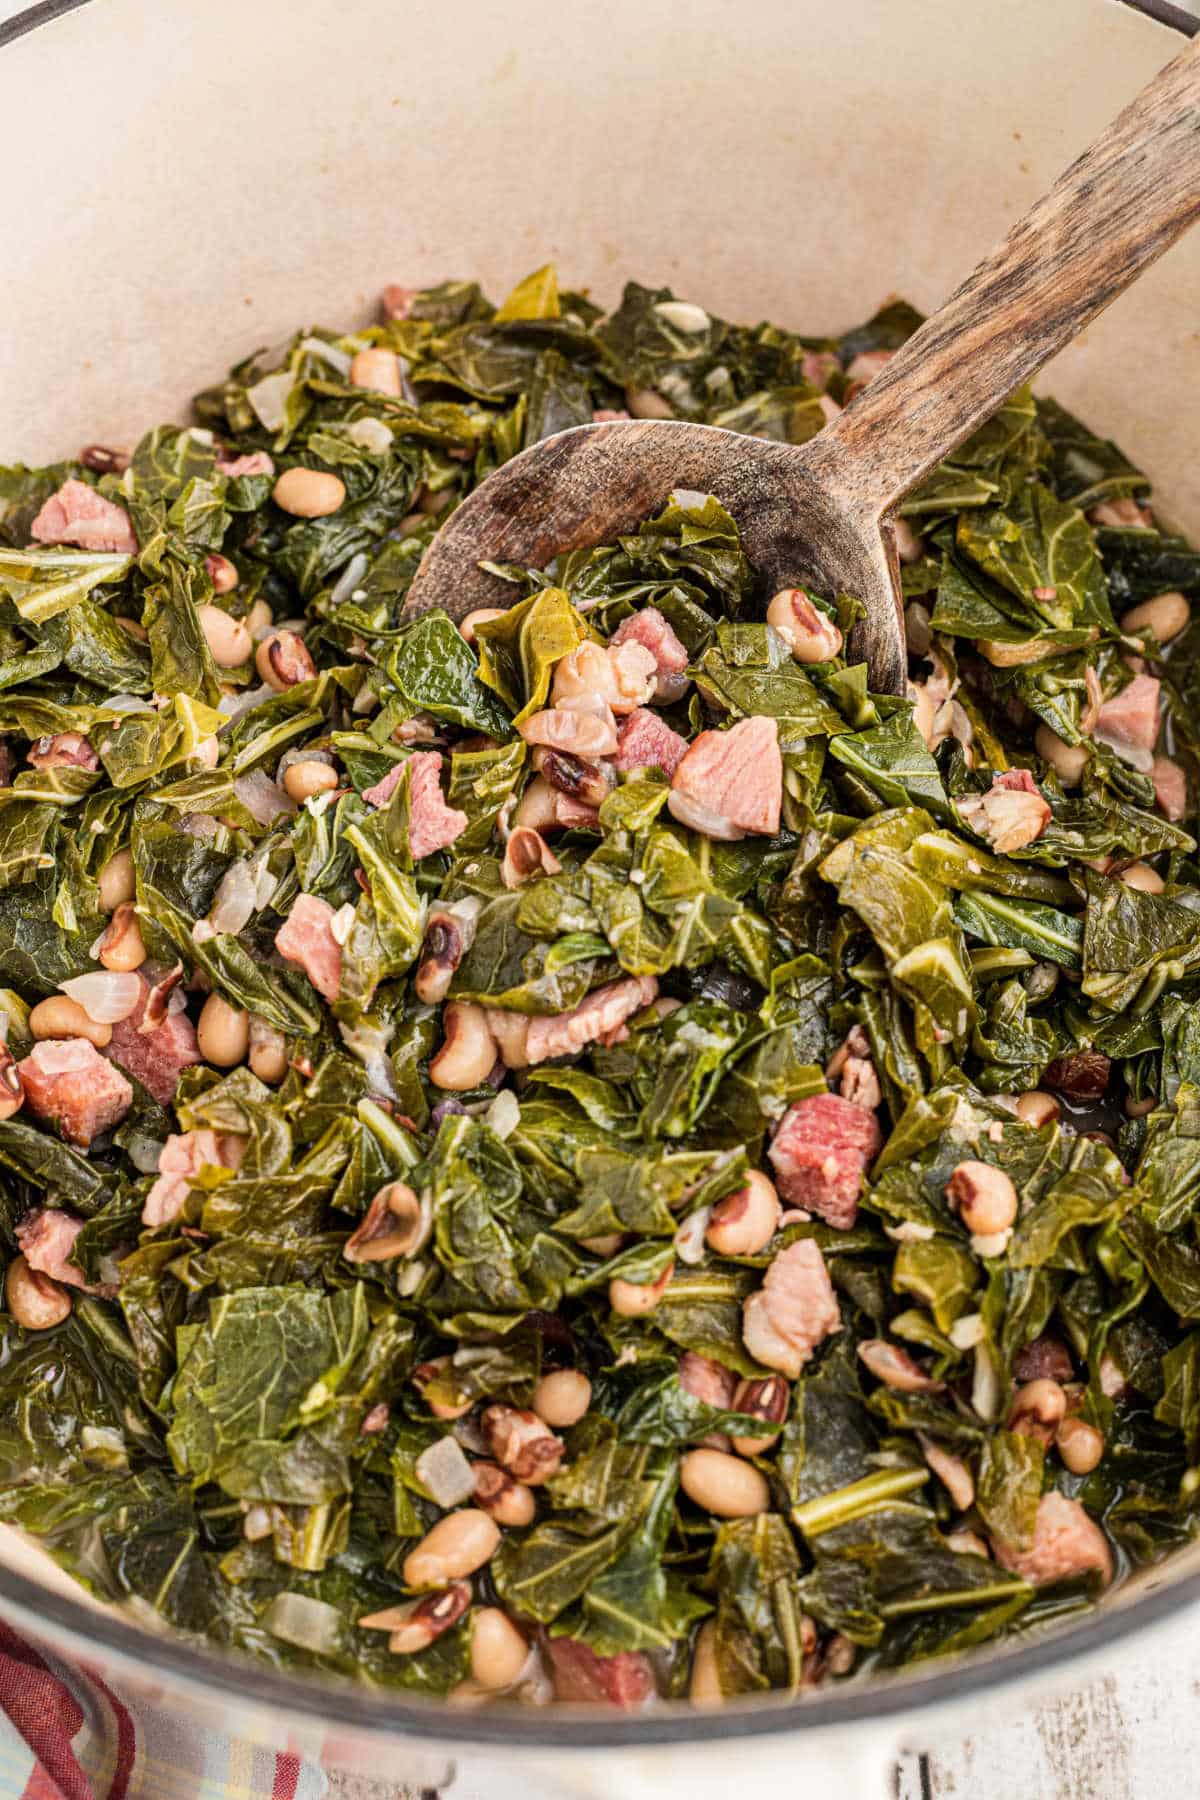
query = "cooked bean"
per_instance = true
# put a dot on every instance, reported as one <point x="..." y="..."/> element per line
<point x="1137" y="1109"/>
<point x="12" y="1087"/>
<point x="468" y="1052"/>
<point x="562" y="1397"/>
<point x="223" y="1033"/>
<point x="537" y="808"/>
<point x="810" y="634"/>
<point x="1037" y="1108"/>
<point x="283" y="659"/>
<point x="268" y="1051"/>
<point x="1080" y="1445"/>
<point x="498" y="1650"/>
<point x="1164" y="616"/>
<point x="425" y="1375"/>
<point x="308" y="493"/>
<point x="121" y="948"/>
<point x="984" y="1197"/>
<point x="1038" y="1409"/>
<point x="522" y="1443"/>
<point x="648" y="403"/>
<point x="227" y="638"/>
<point x="458" y="1545"/>
<point x="377" y="369"/>
<point x="509" y="1501"/>
<point x="33" y="1299"/>
<point x="62" y="1017"/>
<point x="449" y="933"/>
<point x="760" y="1399"/>
<point x="116" y="881"/>
<point x="704" y="1681"/>
<point x="1141" y="876"/>
<point x="631" y="1299"/>
<point x="480" y="616"/>
<point x="222" y="573"/>
<point x="301" y="780"/>
<point x="744" y="1223"/>
<point x="725" y="1486"/>
<point x="1067" y="760"/>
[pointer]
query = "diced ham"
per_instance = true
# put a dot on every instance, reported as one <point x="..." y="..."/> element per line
<point x="625" y="1680"/>
<point x="706" y="1380"/>
<point x="603" y="415"/>
<point x="78" y="515"/>
<point x="818" y="365"/>
<point x="570" y="812"/>
<point x="256" y="463"/>
<point x="1011" y="815"/>
<point x="1046" y="1358"/>
<point x="867" y="364"/>
<point x="306" y="939"/>
<point x="397" y="300"/>
<point x="1081" y="1076"/>
<point x="1128" y="723"/>
<point x="1170" y="788"/>
<point x="183" y="1156"/>
<point x="432" y="825"/>
<point x="602" y="1012"/>
<point x="654" y="633"/>
<point x="1066" y="1542"/>
<point x="67" y="750"/>
<point x="69" y="1084"/>
<point x="793" y="1311"/>
<point x="155" y="1055"/>
<point x="853" y="1068"/>
<point x="1122" y="515"/>
<point x="46" y="1239"/>
<point x="819" y="1155"/>
<point x="647" y="742"/>
<point x="730" y="783"/>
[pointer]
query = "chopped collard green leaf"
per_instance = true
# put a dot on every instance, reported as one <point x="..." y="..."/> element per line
<point x="593" y="1154"/>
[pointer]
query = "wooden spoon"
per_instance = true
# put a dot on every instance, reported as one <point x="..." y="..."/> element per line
<point x="817" y="513"/>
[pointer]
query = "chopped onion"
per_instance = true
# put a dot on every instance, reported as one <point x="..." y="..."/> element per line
<point x="966" y="1332"/>
<point x="688" y="497"/>
<point x="684" y="315"/>
<point x="309" y="1624"/>
<point x="910" y="1231"/>
<point x="265" y="884"/>
<point x="128" y="703"/>
<point x="349" y="578"/>
<point x="337" y="359"/>
<point x="269" y="398"/>
<point x="369" y="1043"/>
<point x="689" y="1239"/>
<point x="105" y="995"/>
<point x="370" y="434"/>
<point x="144" y="1151"/>
<point x="445" y="1471"/>
<point x="342" y="923"/>
<point x="263" y="800"/>
<point x="232" y="706"/>
<point x="234" y="901"/>
<point x="504" y="1114"/>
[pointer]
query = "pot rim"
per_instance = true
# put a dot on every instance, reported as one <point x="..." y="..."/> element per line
<point x="80" y="1630"/>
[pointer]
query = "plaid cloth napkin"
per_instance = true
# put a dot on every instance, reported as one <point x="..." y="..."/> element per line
<point x="65" y="1735"/>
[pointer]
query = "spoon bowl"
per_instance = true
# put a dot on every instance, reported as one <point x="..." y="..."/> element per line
<point x="816" y="514"/>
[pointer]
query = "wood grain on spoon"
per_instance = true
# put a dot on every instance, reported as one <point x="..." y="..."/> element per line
<point x="816" y="513"/>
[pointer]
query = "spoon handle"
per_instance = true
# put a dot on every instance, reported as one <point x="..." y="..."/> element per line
<point x="1109" y="216"/>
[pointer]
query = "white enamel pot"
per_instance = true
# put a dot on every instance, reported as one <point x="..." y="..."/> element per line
<point x="188" y="179"/>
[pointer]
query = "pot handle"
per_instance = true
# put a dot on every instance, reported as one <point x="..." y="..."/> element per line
<point x="854" y="1763"/>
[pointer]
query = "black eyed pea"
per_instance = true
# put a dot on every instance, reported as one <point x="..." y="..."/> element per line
<point x="631" y="1299"/>
<point x="268" y="1051"/>
<point x="116" y="881"/>
<point x="810" y="634"/>
<point x="301" y="780"/>
<point x="723" y="1485"/>
<point x="458" y="1545"/>
<point x="222" y="573"/>
<point x="704" y="1681"/>
<point x="1080" y="1445"/>
<point x="12" y="1088"/>
<point x="562" y="1397"/>
<point x="509" y="1501"/>
<point x="377" y="369"/>
<point x="1037" y="1109"/>
<point x="283" y="659"/>
<point x="480" y="616"/>
<point x="33" y="1300"/>
<point x="1164" y="616"/>
<point x="62" y="1017"/>
<point x="226" y="637"/>
<point x="744" y="1223"/>
<point x="121" y="948"/>
<point x="498" y="1650"/>
<point x="468" y="1052"/>
<point x="1141" y="876"/>
<point x="984" y="1198"/>
<point x="1038" y="1409"/>
<point x="222" y="1033"/>
<point x="308" y="493"/>
<point x="1067" y="760"/>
